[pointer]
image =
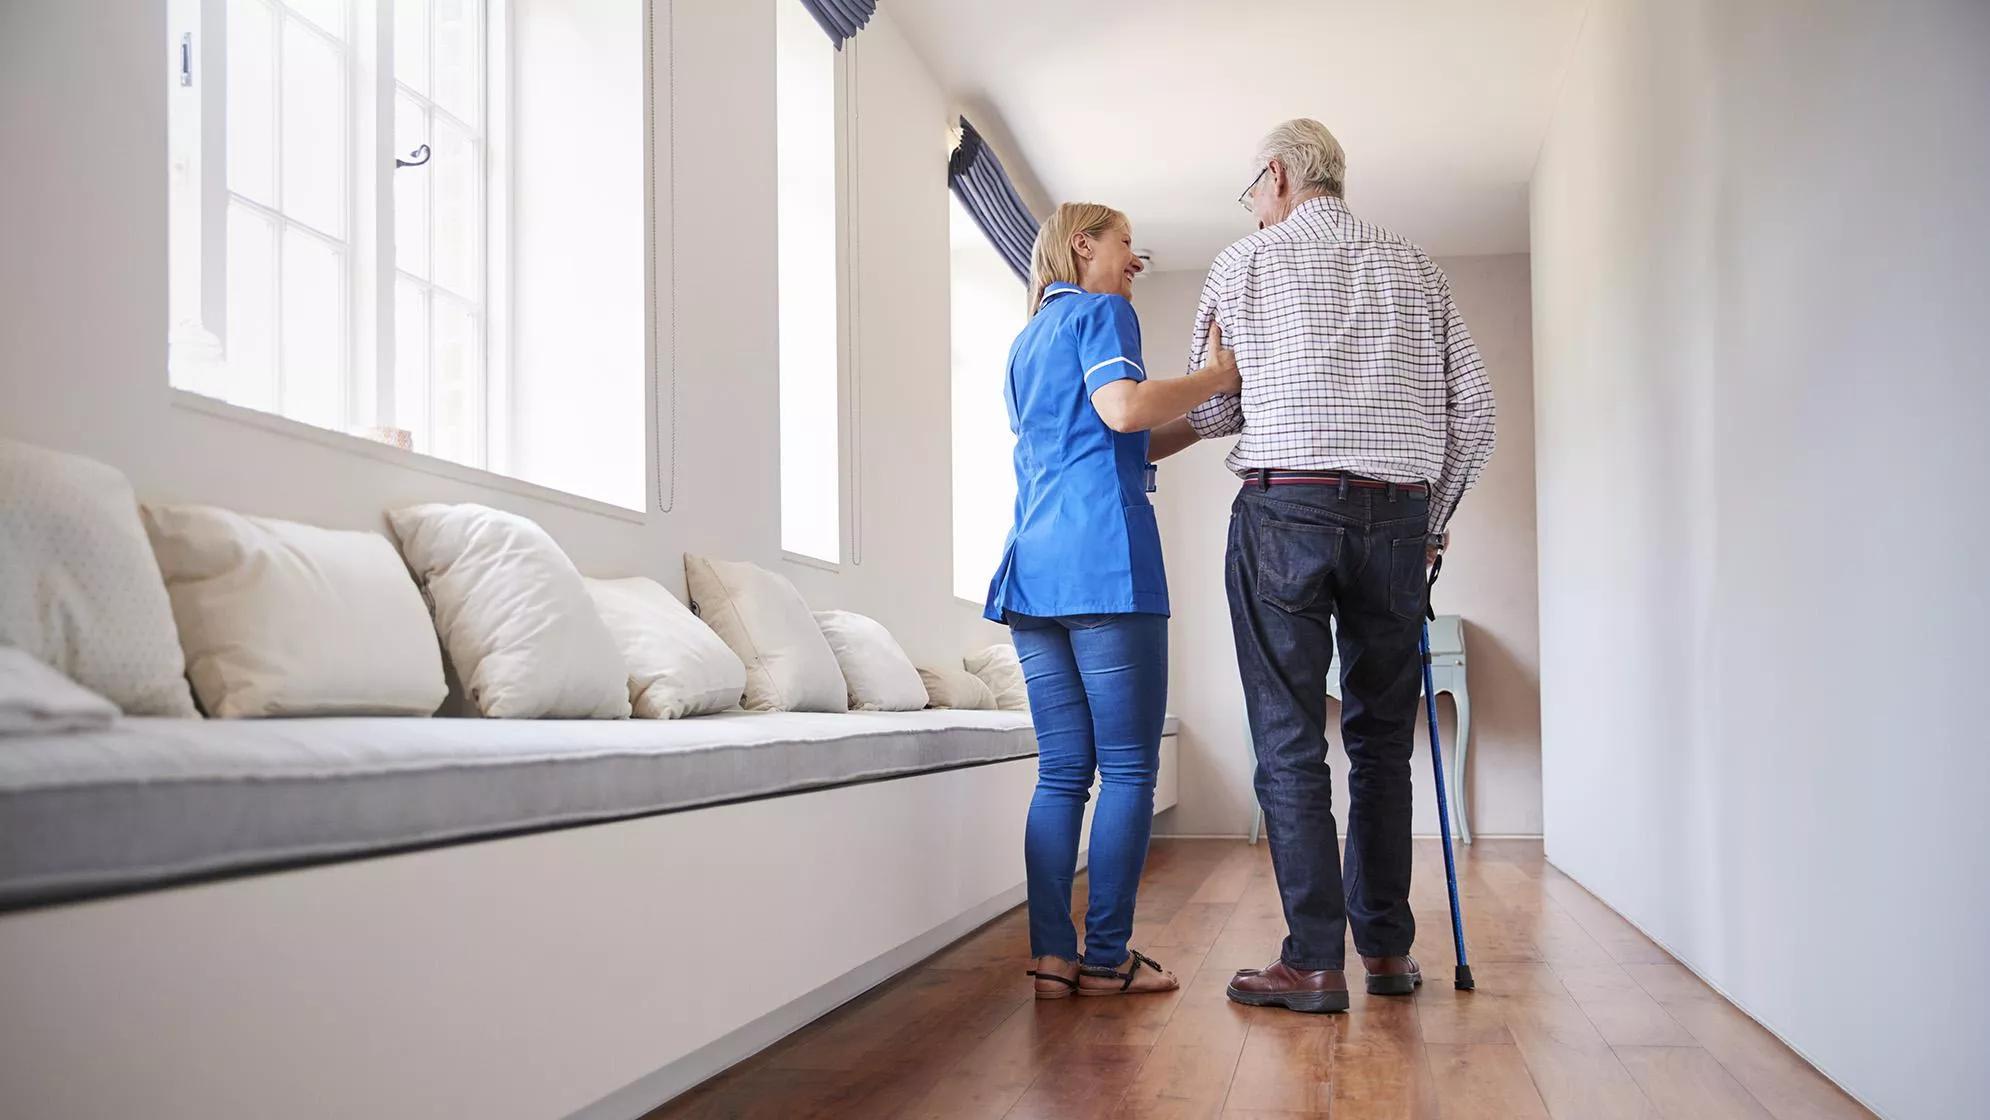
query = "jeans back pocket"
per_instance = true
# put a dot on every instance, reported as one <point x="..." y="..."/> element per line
<point x="1295" y="561"/>
<point x="1409" y="586"/>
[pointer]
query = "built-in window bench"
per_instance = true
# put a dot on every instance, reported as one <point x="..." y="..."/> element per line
<point x="344" y="917"/>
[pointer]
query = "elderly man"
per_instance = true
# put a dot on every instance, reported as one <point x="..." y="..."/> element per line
<point x="1365" y="416"/>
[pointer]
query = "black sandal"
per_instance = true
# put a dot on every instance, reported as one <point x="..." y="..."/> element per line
<point x="1069" y="982"/>
<point x="1135" y="960"/>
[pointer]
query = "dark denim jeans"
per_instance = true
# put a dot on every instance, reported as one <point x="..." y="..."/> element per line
<point x="1098" y="696"/>
<point x="1299" y="556"/>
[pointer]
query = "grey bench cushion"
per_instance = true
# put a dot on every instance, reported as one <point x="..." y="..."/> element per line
<point x="155" y="801"/>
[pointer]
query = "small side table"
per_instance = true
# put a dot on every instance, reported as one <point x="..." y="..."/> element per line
<point x="1447" y="674"/>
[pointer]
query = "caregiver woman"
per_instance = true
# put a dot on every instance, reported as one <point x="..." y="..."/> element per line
<point x="1082" y="590"/>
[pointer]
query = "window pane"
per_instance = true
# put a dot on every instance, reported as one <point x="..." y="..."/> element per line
<point x="411" y="44"/>
<point x="313" y="330"/>
<point x="251" y="309"/>
<point x="987" y="312"/>
<point x="252" y="100"/>
<point x="456" y="404"/>
<point x="806" y="211"/>
<point x="457" y="213"/>
<point x="329" y="15"/>
<point x="411" y="361"/>
<point x="459" y="52"/>
<point x="314" y="116"/>
<point x="411" y="185"/>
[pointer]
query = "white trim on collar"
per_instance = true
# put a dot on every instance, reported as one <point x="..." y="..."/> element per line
<point x="1059" y="290"/>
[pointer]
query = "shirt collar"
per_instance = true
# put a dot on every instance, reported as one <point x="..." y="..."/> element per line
<point x="1058" y="290"/>
<point x="1325" y="210"/>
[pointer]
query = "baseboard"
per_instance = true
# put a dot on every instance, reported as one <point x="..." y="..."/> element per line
<point x="1718" y="990"/>
<point x="642" y="1096"/>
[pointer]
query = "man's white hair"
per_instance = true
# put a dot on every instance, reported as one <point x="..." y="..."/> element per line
<point x="1309" y="153"/>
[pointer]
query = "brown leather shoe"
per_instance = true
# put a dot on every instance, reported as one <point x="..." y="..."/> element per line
<point x="1287" y="987"/>
<point x="1392" y="976"/>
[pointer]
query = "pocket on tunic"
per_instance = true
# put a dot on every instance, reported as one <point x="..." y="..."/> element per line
<point x="1143" y="539"/>
<point x="1295" y="562"/>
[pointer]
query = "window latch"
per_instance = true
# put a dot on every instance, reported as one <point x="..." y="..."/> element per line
<point x="418" y="157"/>
<point x="186" y="59"/>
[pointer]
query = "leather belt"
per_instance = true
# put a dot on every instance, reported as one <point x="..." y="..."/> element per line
<point x="1268" y="477"/>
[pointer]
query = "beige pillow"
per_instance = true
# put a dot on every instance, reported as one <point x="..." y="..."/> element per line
<point x="517" y="621"/>
<point x="1000" y="669"/>
<point x="677" y="666"/>
<point x="789" y="665"/>
<point x="282" y="619"/>
<point x="956" y="688"/>
<point x="880" y="678"/>
<point x="79" y="589"/>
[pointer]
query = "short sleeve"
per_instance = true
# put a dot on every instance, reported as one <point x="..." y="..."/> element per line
<point x="1108" y="335"/>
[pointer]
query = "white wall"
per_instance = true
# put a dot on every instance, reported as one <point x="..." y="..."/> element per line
<point x="1489" y="580"/>
<point x="1761" y="391"/>
<point x="83" y="316"/>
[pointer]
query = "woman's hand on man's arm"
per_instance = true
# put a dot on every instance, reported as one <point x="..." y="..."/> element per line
<point x="1139" y="406"/>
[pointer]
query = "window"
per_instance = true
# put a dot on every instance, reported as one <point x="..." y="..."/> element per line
<point x="260" y="316"/>
<point x="440" y="276"/>
<point x="808" y="222"/>
<point x="347" y="201"/>
<point x="987" y="313"/>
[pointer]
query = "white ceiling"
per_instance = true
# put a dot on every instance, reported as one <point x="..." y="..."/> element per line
<point x="1155" y="106"/>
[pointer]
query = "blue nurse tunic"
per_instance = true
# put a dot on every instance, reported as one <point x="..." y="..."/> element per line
<point x="1084" y="539"/>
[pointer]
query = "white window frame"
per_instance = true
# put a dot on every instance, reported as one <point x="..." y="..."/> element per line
<point x="849" y="539"/>
<point x="199" y="35"/>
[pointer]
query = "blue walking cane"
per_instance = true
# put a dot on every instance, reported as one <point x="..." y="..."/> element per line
<point x="1463" y="980"/>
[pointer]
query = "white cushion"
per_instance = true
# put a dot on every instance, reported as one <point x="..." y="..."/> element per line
<point x="789" y="665"/>
<point x="1000" y="669"/>
<point x="79" y="589"/>
<point x="517" y="621"/>
<point x="880" y="678"/>
<point x="956" y="688"/>
<point x="677" y="666"/>
<point x="282" y="619"/>
<point x="37" y="700"/>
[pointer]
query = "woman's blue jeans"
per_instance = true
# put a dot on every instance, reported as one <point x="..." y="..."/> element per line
<point x="1098" y="689"/>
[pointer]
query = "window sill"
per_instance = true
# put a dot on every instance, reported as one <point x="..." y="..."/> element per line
<point x="810" y="562"/>
<point x="427" y="464"/>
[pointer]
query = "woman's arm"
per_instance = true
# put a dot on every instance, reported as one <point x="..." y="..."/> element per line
<point x="1173" y="436"/>
<point x="1139" y="406"/>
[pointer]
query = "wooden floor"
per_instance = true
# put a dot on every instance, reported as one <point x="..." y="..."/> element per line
<point x="1577" y="1016"/>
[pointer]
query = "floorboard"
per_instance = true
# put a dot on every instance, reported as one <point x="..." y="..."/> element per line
<point x="1577" y="1016"/>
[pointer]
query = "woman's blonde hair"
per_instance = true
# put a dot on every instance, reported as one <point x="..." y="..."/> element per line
<point x="1053" y="260"/>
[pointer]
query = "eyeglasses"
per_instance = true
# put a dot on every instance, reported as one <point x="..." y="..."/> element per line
<point x="1244" y="200"/>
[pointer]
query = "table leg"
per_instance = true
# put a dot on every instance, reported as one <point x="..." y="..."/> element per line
<point x="1464" y="736"/>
